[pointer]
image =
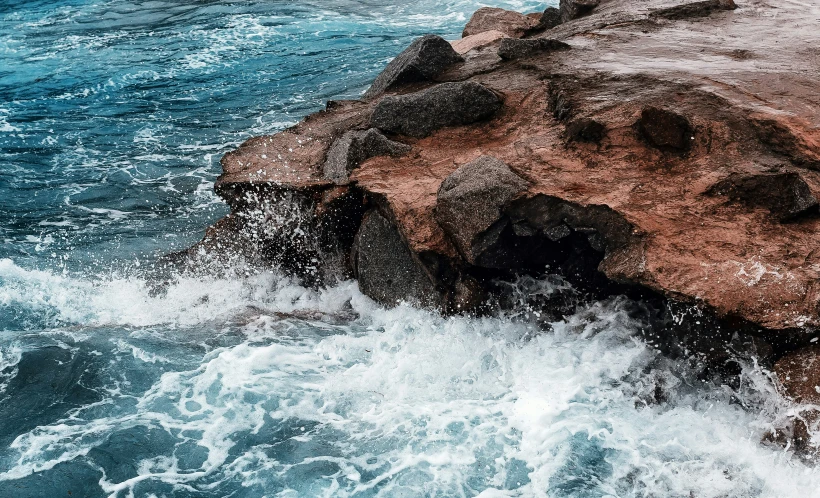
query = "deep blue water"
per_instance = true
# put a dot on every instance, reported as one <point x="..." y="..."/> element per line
<point x="113" y="116"/>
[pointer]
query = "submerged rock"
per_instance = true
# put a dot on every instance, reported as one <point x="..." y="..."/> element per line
<point x="425" y="58"/>
<point x="512" y="48"/>
<point x="448" y="104"/>
<point x="470" y="200"/>
<point x="508" y="22"/>
<point x="354" y="147"/>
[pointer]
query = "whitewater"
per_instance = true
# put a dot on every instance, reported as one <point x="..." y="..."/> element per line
<point x="113" y="116"/>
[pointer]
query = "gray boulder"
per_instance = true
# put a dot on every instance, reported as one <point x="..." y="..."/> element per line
<point x="573" y="9"/>
<point x="421" y="61"/>
<point x="448" y="104"/>
<point x="353" y="148"/>
<point x="387" y="270"/>
<point x="513" y="48"/>
<point x="470" y="201"/>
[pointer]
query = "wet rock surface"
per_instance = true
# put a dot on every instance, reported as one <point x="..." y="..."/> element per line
<point x="448" y="104"/>
<point x="425" y="58"/>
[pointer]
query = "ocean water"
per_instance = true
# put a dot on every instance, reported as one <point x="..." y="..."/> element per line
<point x="113" y="116"/>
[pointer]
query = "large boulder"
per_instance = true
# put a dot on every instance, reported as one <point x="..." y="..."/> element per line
<point x="386" y="268"/>
<point x="353" y="148"/>
<point x="448" y="104"/>
<point x="421" y="61"/>
<point x="470" y="202"/>
<point x="508" y="22"/>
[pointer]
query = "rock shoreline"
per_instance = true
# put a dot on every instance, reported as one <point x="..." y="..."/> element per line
<point x="666" y="149"/>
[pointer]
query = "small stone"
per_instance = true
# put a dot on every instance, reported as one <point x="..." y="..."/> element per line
<point x="665" y="129"/>
<point x="448" y="104"/>
<point x="470" y="200"/>
<point x="512" y="48"/>
<point x="355" y="147"/>
<point x="573" y="9"/>
<point x="785" y="195"/>
<point x="510" y="23"/>
<point x="425" y="58"/>
<point x="585" y="130"/>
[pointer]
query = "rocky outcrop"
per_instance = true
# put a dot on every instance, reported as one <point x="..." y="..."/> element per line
<point x="673" y="151"/>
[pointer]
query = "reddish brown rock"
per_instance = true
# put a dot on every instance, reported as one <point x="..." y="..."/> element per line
<point x="508" y="22"/>
<point x="635" y="197"/>
<point x="479" y="40"/>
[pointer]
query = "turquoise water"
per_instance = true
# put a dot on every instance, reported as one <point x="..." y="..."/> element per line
<point x="113" y="116"/>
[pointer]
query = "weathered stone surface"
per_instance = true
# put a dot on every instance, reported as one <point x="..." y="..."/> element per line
<point x="480" y="40"/>
<point x="386" y="268"/>
<point x="665" y="129"/>
<point x="354" y="147"/>
<point x="448" y="104"/>
<point x="421" y="61"/>
<point x="512" y="48"/>
<point x="470" y="200"/>
<point x="573" y="9"/>
<point x="508" y="22"/>
<point x="694" y="9"/>
<point x="785" y="195"/>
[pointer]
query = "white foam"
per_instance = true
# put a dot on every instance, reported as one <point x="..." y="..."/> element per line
<point x="426" y="402"/>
